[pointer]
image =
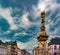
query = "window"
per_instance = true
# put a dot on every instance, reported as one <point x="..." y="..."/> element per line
<point x="55" y="47"/>
<point x="50" y="47"/>
<point x="55" y="53"/>
<point x="11" y="54"/>
<point x="59" y="47"/>
<point x="44" y="54"/>
<point x="59" y="53"/>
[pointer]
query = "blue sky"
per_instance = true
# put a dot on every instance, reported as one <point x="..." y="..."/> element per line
<point x="20" y="20"/>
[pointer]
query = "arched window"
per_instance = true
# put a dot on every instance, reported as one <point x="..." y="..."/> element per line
<point x="55" y="47"/>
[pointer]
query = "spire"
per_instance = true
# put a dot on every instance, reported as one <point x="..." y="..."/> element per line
<point x="42" y="35"/>
<point x="43" y="21"/>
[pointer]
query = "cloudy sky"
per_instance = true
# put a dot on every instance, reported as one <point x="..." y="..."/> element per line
<point x="20" y="20"/>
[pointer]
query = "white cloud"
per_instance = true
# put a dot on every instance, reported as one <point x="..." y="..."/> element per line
<point x="7" y="32"/>
<point x="21" y="33"/>
<point x="25" y="23"/>
<point x="6" y="13"/>
<point x="21" y="45"/>
<point x="28" y="45"/>
<point x="4" y="39"/>
<point x="44" y="5"/>
<point x="47" y="28"/>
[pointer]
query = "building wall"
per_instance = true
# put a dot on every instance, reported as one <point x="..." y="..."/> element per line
<point x="27" y="53"/>
<point x="12" y="49"/>
<point x="8" y="49"/>
<point x="53" y="50"/>
<point x="3" y="50"/>
<point x="24" y="52"/>
<point x="19" y="51"/>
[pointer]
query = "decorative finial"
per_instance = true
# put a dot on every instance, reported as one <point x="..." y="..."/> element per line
<point x="43" y="14"/>
<point x="43" y="21"/>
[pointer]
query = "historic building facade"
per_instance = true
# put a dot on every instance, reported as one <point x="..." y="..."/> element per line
<point x="54" y="46"/>
<point x="19" y="51"/>
<point x="24" y="52"/>
<point x="3" y="48"/>
<point x="12" y="48"/>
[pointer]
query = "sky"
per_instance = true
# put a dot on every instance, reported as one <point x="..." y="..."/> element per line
<point x="20" y="20"/>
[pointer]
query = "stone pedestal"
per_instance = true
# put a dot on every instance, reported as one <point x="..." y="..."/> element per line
<point x="41" y="49"/>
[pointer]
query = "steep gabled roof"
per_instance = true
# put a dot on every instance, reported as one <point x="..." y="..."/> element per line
<point x="55" y="40"/>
